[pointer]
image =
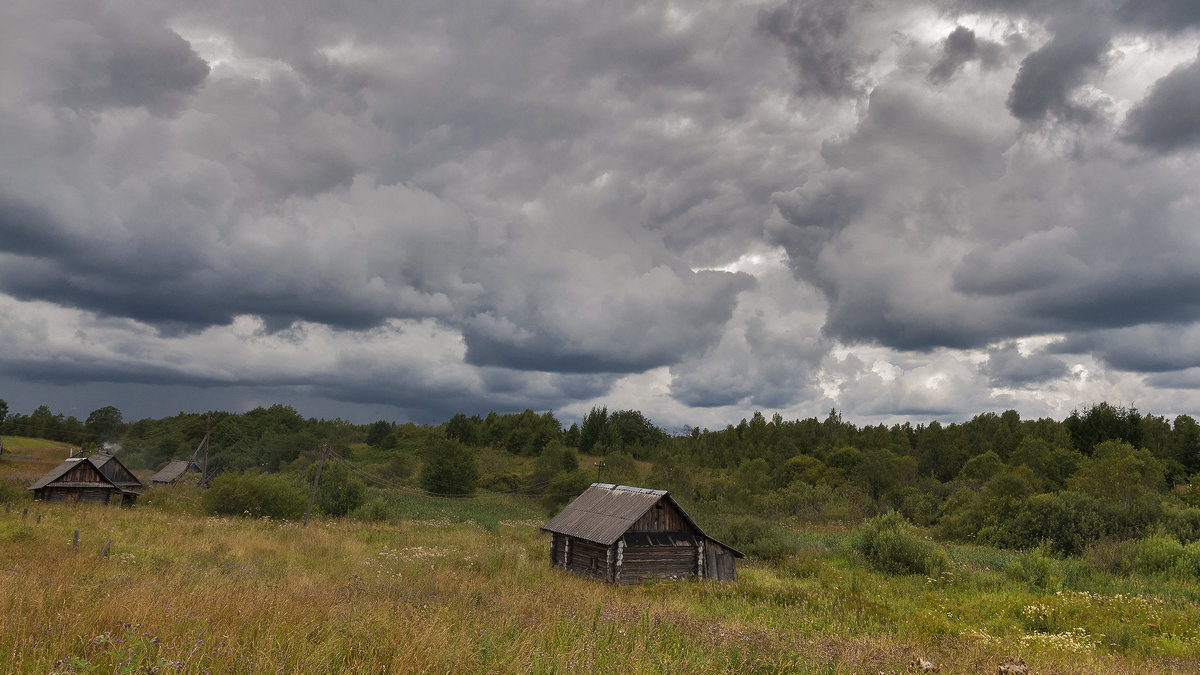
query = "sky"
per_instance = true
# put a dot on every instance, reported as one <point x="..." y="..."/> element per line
<point x="905" y="210"/>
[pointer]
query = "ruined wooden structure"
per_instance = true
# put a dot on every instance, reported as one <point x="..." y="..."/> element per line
<point x="175" y="470"/>
<point x="623" y="535"/>
<point x="99" y="479"/>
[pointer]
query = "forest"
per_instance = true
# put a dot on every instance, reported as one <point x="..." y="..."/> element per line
<point x="1104" y="475"/>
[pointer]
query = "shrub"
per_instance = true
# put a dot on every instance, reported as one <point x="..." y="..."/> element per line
<point x="254" y="495"/>
<point x="891" y="544"/>
<point x="1188" y="566"/>
<point x="1111" y="555"/>
<point x="450" y="469"/>
<point x="338" y="493"/>
<point x="375" y="510"/>
<point x="1157" y="554"/>
<point x="1037" y="568"/>
<point x="1070" y="521"/>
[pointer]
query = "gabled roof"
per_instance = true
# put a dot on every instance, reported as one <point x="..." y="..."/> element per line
<point x="98" y="461"/>
<point x="605" y="511"/>
<point x="173" y="471"/>
<point x="115" y="470"/>
<point x="57" y="472"/>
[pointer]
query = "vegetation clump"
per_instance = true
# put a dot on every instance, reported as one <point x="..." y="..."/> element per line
<point x="254" y="495"/>
<point x="892" y="544"/>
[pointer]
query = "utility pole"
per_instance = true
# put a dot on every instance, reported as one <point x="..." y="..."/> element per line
<point x="204" y="469"/>
<point x="599" y="465"/>
<point x="312" y="497"/>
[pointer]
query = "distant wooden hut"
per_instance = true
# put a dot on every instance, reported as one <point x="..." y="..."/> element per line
<point x="622" y="534"/>
<point x="97" y="479"/>
<point x="174" y="470"/>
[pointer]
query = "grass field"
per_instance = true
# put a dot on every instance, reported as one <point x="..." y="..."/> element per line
<point x="464" y="587"/>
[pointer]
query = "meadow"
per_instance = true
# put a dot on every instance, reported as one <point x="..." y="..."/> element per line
<point x="463" y="586"/>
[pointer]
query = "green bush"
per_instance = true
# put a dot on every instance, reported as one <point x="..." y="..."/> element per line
<point x="752" y="535"/>
<point x="1069" y="520"/>
<point x="255" y="495"/>
<point x="450" y="470"/>
<point x="1187" y="568"/>
<point x="375" y="511"/>
<point x="1037" y="568"/>
<point x="1157" y="554"/>
<point x="891" y="544"/>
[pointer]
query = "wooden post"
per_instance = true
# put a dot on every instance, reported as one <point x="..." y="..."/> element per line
<point x="312" y="497"/>
<point x="24" y="513"/>
<point x="39" y="520"/>
<point x="75" y="541"/>
<point x="105" y="549"/>
<point x="7" y="506"/>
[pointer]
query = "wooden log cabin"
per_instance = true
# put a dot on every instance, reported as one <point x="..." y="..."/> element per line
<point x="98" y="479"/>
<point x="623" y="535"/>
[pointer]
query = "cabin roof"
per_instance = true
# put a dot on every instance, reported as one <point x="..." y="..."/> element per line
<point x="606" y="511"/>
<point x="57" y="472"/>
<point x="98" y="460"/>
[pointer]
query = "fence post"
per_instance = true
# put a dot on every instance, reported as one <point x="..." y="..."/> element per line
<point x="105" y="549"/>
<point x="75" y="541"/>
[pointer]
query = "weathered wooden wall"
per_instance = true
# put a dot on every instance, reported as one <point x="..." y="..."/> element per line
<point x="662" y="517"/>
<point x="657" y="562"/>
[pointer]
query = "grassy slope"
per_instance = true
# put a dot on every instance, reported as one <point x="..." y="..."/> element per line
<point x="464" y="587"/>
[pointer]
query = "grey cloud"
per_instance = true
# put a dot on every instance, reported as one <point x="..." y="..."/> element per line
<point x="97" y="57"/>
<point x="1048" y="77"/>
<point x="1170" y="16"/>
<point x="821" y="44"/>
<point x="1167" y="120"/>
<point x="960" y="47"/>
<point x="1146" y="348"/>
<point x="1007" y="367"/>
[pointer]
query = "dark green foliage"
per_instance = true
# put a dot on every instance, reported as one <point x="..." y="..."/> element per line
<point x="377" y="432"/>
<point x="255" y="495"/>
<point x="565" y="487"/>
<point x="593" y="424"/>
<point x="1104" y="422"/>
<point x="104" y="424"/>
<point x="1068" y="521"/>
<point x="450" y="469"/>
<point x="338" y="492"/>
<point x="981" y="467"/>
<point x="891" y="544"/>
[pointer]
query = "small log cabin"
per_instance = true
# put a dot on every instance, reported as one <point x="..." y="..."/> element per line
<point x="623" y="535"/>
<point x="97" y="480"/>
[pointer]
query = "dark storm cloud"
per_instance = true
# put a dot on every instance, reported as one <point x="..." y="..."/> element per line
<point x="431" y="208"/>
<point x="1165" y="15"/>
<point x="1167" y="119"/>
<point x="1146" y="348"/>
<point x="960" y="47"/>
<point x="1007" y="367"/>
<point x="821" y="44"/>
<point x="1049" y="76"/>
<point x="98" y="56"/>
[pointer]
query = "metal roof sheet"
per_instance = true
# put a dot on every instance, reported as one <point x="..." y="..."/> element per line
<point x="172" y="471"/>
<point x="58" y="471"/>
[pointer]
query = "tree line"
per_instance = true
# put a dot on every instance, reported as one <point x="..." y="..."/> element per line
<point x="1105" y="471"/>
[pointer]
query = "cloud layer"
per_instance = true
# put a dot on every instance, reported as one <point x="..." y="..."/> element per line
<point x="696" y="209"/>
